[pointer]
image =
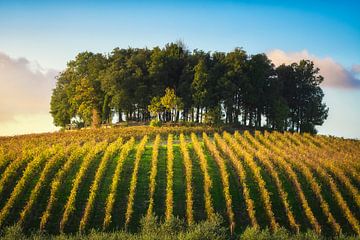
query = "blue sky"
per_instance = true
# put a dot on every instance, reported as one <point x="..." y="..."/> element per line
<point x="49" y="33"/>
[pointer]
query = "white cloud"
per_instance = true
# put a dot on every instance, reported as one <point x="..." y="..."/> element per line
<point x="25" y="91"/>
<point x="28" y="123"/>
<point x="335" y="75"/>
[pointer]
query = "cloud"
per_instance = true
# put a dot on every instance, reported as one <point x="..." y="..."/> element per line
<point x="28" y="123"/>
<point x="356" y="68"/>
<point x="335" y="75"/>
<point x="25" y="88"/>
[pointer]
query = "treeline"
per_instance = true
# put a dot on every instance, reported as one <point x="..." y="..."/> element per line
<point x="174" y="84"/>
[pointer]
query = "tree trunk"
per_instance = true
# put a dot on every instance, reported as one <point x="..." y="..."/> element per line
<point x="258" y="118"/>
<point x="120" y="115"/>
<point x="245" y="117"/>
<point x="95" y="123"/>
<point x="250" y="118"/>
<point x="197" y="114"/>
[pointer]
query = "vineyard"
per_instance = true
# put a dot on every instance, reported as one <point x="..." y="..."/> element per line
<point x="109" y="179"/>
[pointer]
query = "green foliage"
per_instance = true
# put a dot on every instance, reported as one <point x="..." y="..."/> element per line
<point x="68" y="178"/>
<point x="155" y="123"/>
<point x="59" y="104"/>
<point x="199" y="84"/>
<point x="13" y="232"/>
<point x="166" y="108"/>
<point x="151" y="229"/>
<point x="170" y="101"/>
<point x="213" y="116"/>
<point x="174" y="84"/>
<point x="155" y="106"/>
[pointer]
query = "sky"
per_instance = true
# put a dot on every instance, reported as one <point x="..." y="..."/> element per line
<point x="38" y="38"/>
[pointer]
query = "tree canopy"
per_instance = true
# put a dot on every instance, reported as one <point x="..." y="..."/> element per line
<point x="175" y="84"/>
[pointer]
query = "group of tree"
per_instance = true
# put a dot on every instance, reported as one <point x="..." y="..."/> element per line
<point x="175" y="84"/>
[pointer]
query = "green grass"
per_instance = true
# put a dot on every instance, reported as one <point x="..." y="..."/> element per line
<point x="62" y="196"/>
<point x="14" y="213"/>
<point x="294" y="201"/>
<point x="333" y="205"/>
<point x="32" y="222"/>
<point x="217" y="187"/>
<point x="276" y="203"/>
<point x="98" y="214"/>
<point x="160" y="188"/>
<point x="82" y="196"/>
<point x="118" y="219"/>
<point x="239" y="207"/>
<point x="198" y="187"/>
<point x="11" y="183"/>
<point x="141" y="201"/>
<point x="179" y="184"/>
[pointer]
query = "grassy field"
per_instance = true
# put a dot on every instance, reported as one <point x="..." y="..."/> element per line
<point x="110" y="179"/>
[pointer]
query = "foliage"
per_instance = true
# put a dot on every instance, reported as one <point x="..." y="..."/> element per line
<point x="188" y="175"/>
<point x="174" y="84"/>
<point x="207" y="179"/>
<point x="75" y="181"/>
<point x="155" y="123"/>
<point x="153" y="173"/>
<point x="130" y="201"/>
<point x="109" y="205"/>
<point x="152" y="230"/>
<point x="230" y="150"/>
<point x="169" y="202"/>
<point x="224" y="178"/>
<point x="109" y="153"/>
<point x="71" y="201"/>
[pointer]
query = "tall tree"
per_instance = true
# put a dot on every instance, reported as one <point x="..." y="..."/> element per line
<point x="59" y="105"/>
<point x="198" y="86"/>
<point x="235" y="85"/>
<point x="171" y="103"/>
<point x="260" y="73"/>
<point x="132" y="82"/>
<point x="310" y="110"/>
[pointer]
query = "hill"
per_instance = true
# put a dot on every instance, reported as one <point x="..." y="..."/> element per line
<point x="108" y="179"/>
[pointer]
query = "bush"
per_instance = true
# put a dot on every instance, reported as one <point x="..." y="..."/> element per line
<point x="213" y="116"/>
<point x="151" y="228"/>
<point x="155" y="123"/>
<point x="206" y="230"/>
<point x="13" y="232"/>
<point x="280" y="234"/>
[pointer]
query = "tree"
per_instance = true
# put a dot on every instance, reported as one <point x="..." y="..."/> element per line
<point x="85" y="95"/>
<point x="172" y="104"/>
<point x="236" y="85"/>
<point x="172" y="84"/>
<point x="198" y="86"/>
<point x="156" y="108"/>
<point x="284" y="86"/>
<point x="86" y="101"/>
<point x="106" y="110"/>
<point x="111" y="79"/>
<point x="59" y="105"/>
<point x="260" y="73"/>
<point x="311" y="111"/>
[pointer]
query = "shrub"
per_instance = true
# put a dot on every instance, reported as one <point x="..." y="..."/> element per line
<point x="13" y="232"/>
<point x="155" y="123"/>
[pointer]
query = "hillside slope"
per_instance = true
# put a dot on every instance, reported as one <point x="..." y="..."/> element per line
<point x="107" y="179"/>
